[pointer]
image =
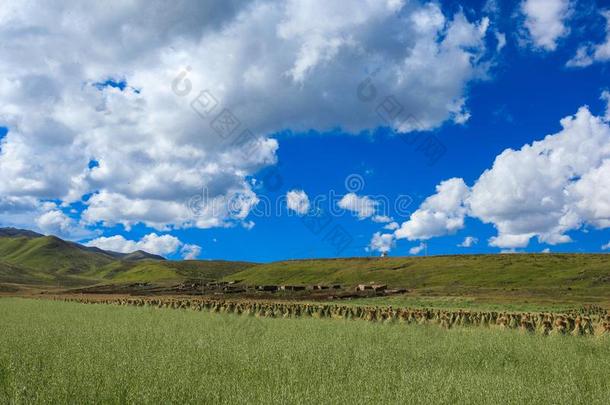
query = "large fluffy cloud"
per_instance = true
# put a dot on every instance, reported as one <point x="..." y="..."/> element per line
<point x="545" y="21"/>
<point x="549" y="187"/>
<point x="44" y="217"/>
<point x="543" y="190"/>
<point x="86" y="92"/>
<point x="439" y="214"/>
<point x="54" y="221"/>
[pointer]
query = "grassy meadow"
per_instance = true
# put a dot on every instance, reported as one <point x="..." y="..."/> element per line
<point x="59" y="352"/>
<point x="507" y="280"/>
<point x="453" y="273"/>
<point x="496" y="302"/>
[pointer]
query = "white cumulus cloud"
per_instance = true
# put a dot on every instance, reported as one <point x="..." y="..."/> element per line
<point x="298" y="201"/>
<point x="439" y="214"/>
<point x="190" y="251"/>
<point x="362" y="206"/>
<point x="392" y="226"/>
<point x="382" y="242"/>
<point x="548" y="187"/>
<point x="55" y="222"/>
<point x="469" y="241"/>
<point x="545" y="21"/>
<point x="417" y="249"/>
<point x="86" y="93"/>
<point x="544" y="190"/>
<point x="590" y="53"/>
<point x="151" y="243"/>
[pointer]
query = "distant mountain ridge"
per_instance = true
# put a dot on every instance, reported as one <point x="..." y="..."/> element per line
<point x="132" y="256"/>
<point x="139" y="255"/>
<point x="14" y="232"/>
<point x="29" y="258"/>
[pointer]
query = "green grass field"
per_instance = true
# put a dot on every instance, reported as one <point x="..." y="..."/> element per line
<point x="566" y="279"/>
<point x="58" y="352"/>
<point x="496" y="303"/>
<point x="449" y="272"/>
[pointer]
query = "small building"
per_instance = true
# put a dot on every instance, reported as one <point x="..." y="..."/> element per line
<point x="371" y="287"/>
<point x="233" y="290"/>
<point x="267" y="288"/>
<point x="292" y="287"/>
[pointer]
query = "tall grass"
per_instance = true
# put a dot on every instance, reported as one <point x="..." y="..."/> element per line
<point x="58" y="352"/>
<point x="461" y="302"/>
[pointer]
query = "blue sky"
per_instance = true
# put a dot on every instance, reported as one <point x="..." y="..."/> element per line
<point x="501" y="118"/>
<point x="513" y="96"/>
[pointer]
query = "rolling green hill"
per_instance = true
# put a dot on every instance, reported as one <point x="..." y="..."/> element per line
<point x="19" y="275"/>
<point x="50" y="254"/>
<point x="166" y="271"/>
<point x="585" y="273"/>
<point x="31" y="259"/>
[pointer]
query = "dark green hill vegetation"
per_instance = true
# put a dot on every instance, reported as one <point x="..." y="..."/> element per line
<point x="18" y="275"/>
<point x="51" y="255"/>
<point x="575" y="274"/>
<point x="140" y="255"/>
<point x="166" y="271"/>
<point x="50" y="261"/>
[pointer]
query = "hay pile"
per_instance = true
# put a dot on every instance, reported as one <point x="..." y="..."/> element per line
<point x="586" y="321"/>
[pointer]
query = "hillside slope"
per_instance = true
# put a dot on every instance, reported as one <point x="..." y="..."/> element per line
<point x="169" y="271"/>
<point x="50" y="261"/>
<point x="51" y="254"/>
<point x="447" y="273"/>
<point x="12" y="274"/>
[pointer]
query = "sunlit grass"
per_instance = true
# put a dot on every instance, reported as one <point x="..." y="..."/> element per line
<point x="500" y="304"/>
<point x="538" y="278"/>
<point x="62" y="352"/>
